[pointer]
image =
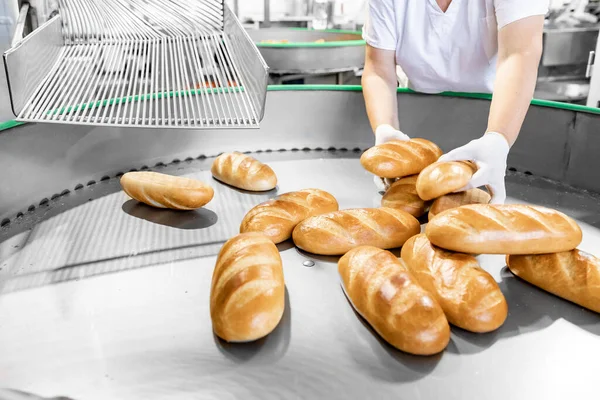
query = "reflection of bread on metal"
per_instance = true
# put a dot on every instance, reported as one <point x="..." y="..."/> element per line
<point x="270" y="41"/>
<point x="320" y="41"/>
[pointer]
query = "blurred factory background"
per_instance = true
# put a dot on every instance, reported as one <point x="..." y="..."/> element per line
<point x="285" y="32"/>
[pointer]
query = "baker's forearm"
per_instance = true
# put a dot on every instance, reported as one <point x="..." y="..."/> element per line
<point x="516" y="77"/>
<point x="380" y="99"/>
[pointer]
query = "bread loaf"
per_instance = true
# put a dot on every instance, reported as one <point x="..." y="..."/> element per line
<point x="247" y="296"/>
<point x="469" y="296"/>
<point x="503" y="229"/>
<point x="340" y="231"/>
<point x="277" y="218"/>
<point x="166" y="191"/>
<point x="573" y="275"/>
<point x="243" y="172"/>
<point x="402" y="195"/>
<point x="442" y="178"/>
<point x="398" y="158"/>
<point x="386" y="294"/>
<point x="453" y="200"/>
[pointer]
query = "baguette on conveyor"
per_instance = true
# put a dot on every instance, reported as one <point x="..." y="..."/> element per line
<point x="247" y="296"/>
<point x="166" y="191"/>
<point x="442" y="178"/>
<point x="453" y="200"/>
<point x="573" y="275"/>
<point x="469" y="296"/>
<point x="337" y="232"/>
<point x="398" y="158"/>
<point x="402" y="195"/>
<point x="243" y="172"/>
<point x="383" y="291"/>
<point x="278" y="217"/>
<point x="504" y="229"/>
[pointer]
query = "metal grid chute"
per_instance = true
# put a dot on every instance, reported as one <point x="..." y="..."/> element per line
<point x="149" y="63"/>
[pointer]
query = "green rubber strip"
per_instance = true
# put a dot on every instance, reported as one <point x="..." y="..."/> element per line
<point x="485" y="96"/>
<point x="337" y="43"/>
<point x="358" y="88"/>
<point x="150" y="96"/>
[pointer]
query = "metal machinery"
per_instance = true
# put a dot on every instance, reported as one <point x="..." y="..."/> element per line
<point x="104" y="298"/>
<point x="152" y="63"/>
<point x="101" y="297"/>
<point x="297" y="53"/>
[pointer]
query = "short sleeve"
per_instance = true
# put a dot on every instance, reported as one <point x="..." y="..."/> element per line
<point x="379" y="30"/>
<point x="508" y="11"/>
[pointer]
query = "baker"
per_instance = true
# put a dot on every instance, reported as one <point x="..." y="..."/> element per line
<point x="483" y="46"/>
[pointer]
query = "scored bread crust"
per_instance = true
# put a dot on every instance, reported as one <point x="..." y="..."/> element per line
<point x="337" y="232"/>
<point x="504" y="229"/>
<point x="453" y="200"/>
<point x="278" y="217"/>
<point x="398" y="158"/>
<point x="469" y="296"/>
<point x="247" y="296"/>
<point x="441" y="178"/>
<point x="244" y="172"/>
<point x="572" y="275"/>
<point x="386" y="294"/>
<point x="402" y="195"/>
<point x="166" y="191"/>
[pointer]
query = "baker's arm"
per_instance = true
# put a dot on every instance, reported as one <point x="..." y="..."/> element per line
<point x="520" y="48"/>
<point x="519" y="52"/>
<point x="379" y="83"/>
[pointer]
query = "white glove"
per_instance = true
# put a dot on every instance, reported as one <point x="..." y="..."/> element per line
<point x="489" y="154"/>
<point x="384" y="134"/>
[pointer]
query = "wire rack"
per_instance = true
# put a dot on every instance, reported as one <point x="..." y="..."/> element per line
<point x="139" y="63"/>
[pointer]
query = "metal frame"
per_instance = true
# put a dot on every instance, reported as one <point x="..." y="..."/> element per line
<point x="157" y="63"/>
<point x="593" y="71"/>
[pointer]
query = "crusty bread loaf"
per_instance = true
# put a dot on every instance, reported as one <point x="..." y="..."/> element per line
<point x="442" y="178"/>
<point x="386" y="294"/>
<point x="243" y="172"/>
<point x="398" y="158"/>
<point x="277" y="218"/>
<point x="504" y="229"/>
<point x="166" y="191"/>
<point x="453" y="200"/>
<point x="337" y="232"/>
<point x="402" y="195"/>
<point x="247" y="296"/>
<point x="469" y="296"/>
<point x="573" y="275"/>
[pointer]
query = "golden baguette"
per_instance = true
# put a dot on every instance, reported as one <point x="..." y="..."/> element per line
<point x="573" y="275"/>
<point x="453" y="200"/>
<point x="398" y="158"/>
<point x="504" y="229"/>
<point x="402" y="195"/>
<point x="441" y="178"/>
<point x="469" y="296"/>
<point x="243" y="172"/>
<point x="277" y="218"/>
<point x="337" y="232"/>
<point x="247" y="296"/>
<point x="166" y="191"/>
<point x="386" y="294"/>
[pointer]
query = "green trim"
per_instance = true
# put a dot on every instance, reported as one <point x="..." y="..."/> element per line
<point x="485" y="96"/>
<point x="10" y="124"/>
<point x="338" y="43"/>
<point x="357" y="88"/>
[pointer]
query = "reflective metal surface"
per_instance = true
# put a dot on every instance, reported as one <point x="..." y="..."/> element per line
<point x="311" y="59"/>
<point x="102" y="297"/>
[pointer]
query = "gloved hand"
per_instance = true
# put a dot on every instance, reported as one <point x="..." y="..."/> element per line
<point x="384" y="134"/>
<point x="489" y="153"/>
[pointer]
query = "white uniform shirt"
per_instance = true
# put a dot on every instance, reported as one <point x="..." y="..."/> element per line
<point x="451" y="51"/>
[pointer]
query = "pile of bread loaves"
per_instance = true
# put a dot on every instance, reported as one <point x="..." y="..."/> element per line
<point x="409" y="301"/>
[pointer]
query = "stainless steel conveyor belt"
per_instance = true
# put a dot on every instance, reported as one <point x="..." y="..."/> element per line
<point x="101" y="297"/>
